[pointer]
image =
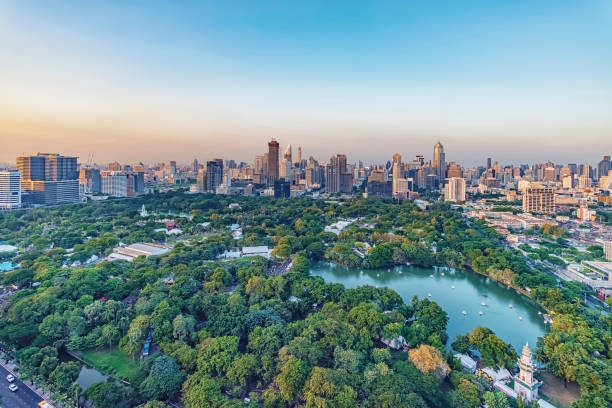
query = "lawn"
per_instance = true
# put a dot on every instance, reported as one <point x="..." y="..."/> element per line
<point x="114" y="362"/>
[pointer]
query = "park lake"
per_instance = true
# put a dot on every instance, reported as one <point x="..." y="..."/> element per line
<point x="460" y="293"/>
<point x="456" y="291"/>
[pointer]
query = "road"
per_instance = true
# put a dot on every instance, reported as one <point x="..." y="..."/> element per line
<point x="22" y="398"/>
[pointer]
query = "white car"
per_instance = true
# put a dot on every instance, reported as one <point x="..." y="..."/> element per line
<point x="10" y="378"/>
<point x="13" y="387"/>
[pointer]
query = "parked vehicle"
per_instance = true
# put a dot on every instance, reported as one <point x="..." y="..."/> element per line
<point x="13" y="387"/>
<point x="10" y="378"/>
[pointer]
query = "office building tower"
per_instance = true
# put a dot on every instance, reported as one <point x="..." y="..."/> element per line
<point x="114" y="183"/>
<point x="10" y="189"/>
<point x="603" y="167"/>
<point x="135" y="184"/>
<point x="201" y="180"/>
<point x="282" y="188"/>
<point x="49" y="178"/>
<point x="539" y="199"/>
<point x="114" y="166"/>
<point x="196" y="166"/>
<point x="337" y="178"/>
<point x="488" y="163"/>
<point x="587" y="170"/>
<point x="383" y="189"/>
<point x="90" y="180"/>
<point x="454" y="190"/>
<point x="31" y="168"/>
<point x="299" y="155"/>
<point x="549" y="173"/>
<point x="288" y="154"/>
<point x="397" y="172"/>
<point x="568" y="182"/>
<point x="439" y="161"/>
<point x="273" y="162"/>
<point x="584" y="182"/>
<point x="214" y="175"/>
<point x="285" y="170"/>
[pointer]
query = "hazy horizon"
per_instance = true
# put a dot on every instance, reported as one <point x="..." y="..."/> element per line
<point x="158" y="81"/>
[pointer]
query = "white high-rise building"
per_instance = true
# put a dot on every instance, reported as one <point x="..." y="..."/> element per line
<point x="114" y="183"/>
<point x="584" y="182"/>
<point x="454" y="190"/>
<point x="10" y="189"/>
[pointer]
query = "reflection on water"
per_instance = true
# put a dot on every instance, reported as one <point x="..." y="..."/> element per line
<point x="89" y="376"/>
<point x="470" y="299"/>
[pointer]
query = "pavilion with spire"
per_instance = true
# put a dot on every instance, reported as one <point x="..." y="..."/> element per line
<point x="524" y="382"/>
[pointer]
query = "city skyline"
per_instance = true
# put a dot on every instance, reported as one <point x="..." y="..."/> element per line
<point x="517" y="81"/>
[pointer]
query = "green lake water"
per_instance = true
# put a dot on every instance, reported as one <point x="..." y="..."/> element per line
<point x="455" y="291"/>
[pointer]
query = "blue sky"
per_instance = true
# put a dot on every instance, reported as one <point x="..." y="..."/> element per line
<point x="517" y="80"/>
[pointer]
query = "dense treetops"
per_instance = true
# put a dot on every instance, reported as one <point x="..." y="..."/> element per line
<point x="226" y="332"/>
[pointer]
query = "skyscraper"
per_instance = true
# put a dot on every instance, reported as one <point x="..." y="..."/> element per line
<point x="91" y="180"/>
<point x="114" y="166"/>
<point x="337" y="179"/>
<point x="214" y="174"/>
<point x="299" y="155"/>
<point x="273" y="162"/>
<point x="288" y="153"/>
<point x="603" y="167"/>
<point x="114" y="183"/>
<point x="439" y="161"/>
<point x="397" y="172"/>
<point x="49" y="178"/>
<point x="454" y="190"/>
<point x="10" y="189"/>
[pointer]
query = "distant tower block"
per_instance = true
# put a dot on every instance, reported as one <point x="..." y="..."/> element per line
<point x="524" y="382"/>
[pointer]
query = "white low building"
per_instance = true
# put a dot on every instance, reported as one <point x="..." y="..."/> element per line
<point x="131" y="252"/>
<point x="256" y="251"/>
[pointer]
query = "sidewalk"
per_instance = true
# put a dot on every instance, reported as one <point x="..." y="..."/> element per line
<point x="28" y="383"/>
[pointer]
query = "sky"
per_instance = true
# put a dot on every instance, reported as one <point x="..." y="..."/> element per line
<point x="519" y="81"/>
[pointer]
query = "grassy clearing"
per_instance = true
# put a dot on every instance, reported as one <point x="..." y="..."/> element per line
<point x="554" y="388"/>
<point x="114" y="362"/>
